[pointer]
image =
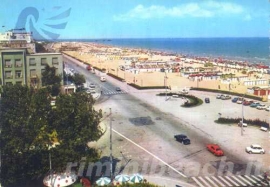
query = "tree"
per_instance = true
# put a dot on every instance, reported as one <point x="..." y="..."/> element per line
<point x="49" y="78"/>
<point x="78" y="79"/>
<point x="30" y="125"/>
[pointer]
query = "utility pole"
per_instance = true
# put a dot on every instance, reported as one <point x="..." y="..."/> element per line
<point x="165" y="84"/>
<point x="111" y="160"/>
<point x="242" y="125"/>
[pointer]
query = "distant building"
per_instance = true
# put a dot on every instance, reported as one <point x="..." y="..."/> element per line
<point x="19" y="64"/>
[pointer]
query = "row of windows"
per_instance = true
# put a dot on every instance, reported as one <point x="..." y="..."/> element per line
<point x="19" y="74"/>
<point x="32" y="62"/>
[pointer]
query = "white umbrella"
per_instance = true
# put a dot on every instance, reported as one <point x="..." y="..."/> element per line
<point x="136" y="178"/>
<point x="103" y="181"/>
<point x="122" y="178"/>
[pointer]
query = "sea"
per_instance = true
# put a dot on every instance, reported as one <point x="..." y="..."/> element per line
<point x="253" y="50"/>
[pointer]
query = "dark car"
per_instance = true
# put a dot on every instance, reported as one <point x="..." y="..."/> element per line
<point x="118" y="89"/>
<point x="182" y="139"/>
<point x="234" y="100"/>
<point x="207" y="100"/>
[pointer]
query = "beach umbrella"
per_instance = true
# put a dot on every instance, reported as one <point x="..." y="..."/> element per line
<point x="136" y="178"/>
<point x="122" y="178"/>
<point x="103" y="181"/>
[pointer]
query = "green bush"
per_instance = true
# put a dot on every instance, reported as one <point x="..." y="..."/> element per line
<point x="193" y="101"/>
<point x="255" y="122"/>
<point x="116" y="77"/>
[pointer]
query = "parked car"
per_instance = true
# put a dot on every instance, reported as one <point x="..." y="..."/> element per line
<point x="234" y="100"/>
<point x="240" y="100"/>
<point x="182" y="139"/>
<point x="215" y="149"/>
<point x="267" y="108"/>
<point x="92" y="85"/>
<point x="225" y="97"/>
<point x="118" y="89"/>
<point x="261" y="107"/>
<point x="207" y="100"/>
<point x="255" y="104"/>
<point x="240" y="124"/>
<point x="247" y="102"/>
<point x="219" y="96"/>
<point x="254" y="148"/>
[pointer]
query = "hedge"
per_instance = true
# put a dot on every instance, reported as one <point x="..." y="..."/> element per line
<point x="227" y="92"/>
<point x="255" y="122"/>
<point x="193" y="100"/>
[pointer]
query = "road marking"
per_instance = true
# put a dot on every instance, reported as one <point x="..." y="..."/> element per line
<point x="150" y="153"/>
<point x="249" y="178"/>
<point x="224" y="180"/>
<point x="262" y="179"/>
<point x="212" y="182"/>
<point x="204" y="181"/>
<point x="238" y="180"/>
<point x="231" y="181"/>
<point x="220" y="183"/>
<point x="243" y="179"/>
<point x="200" y="184"/>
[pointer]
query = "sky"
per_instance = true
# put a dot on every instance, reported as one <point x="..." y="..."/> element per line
<point x="94" y="19"/>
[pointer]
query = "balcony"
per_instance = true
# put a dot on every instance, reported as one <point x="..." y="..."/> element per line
<point x="8" y="66"/>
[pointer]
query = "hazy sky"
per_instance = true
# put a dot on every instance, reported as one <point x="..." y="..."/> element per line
<point x="140" y="18"/>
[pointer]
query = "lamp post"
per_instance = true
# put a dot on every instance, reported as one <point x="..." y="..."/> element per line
<point x="165" y="84"/>
<point x="111" y="160"/>
<point x="242" y="123"/>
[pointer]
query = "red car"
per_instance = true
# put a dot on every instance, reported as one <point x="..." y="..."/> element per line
<point x="215" y="149"/>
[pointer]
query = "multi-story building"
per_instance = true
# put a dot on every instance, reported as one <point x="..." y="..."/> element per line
<point x="21" y="65"/>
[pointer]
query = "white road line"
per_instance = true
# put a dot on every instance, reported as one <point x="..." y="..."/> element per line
<point x="220" y="183"/>
<point x="200" y="184"/>
<point x="150" y="153"/>
<point x="212" y="182"/>
<point x="224" y="180"/>
<point x="204" y="181"/>
<point x="243" y="179"/>
<point x="249" y="178"/>
<point x="238" y="180"/>
<point x="262" y="179"/>
<point x="227" y="177"/>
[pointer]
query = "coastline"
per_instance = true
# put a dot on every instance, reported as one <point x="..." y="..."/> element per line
<point x="111" y="58"/>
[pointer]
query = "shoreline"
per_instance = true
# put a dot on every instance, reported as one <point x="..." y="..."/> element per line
<point x="246" y="56"/>
<point x="143" y="67"/>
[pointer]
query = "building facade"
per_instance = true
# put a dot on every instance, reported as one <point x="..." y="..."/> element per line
<point x="19" y="67"/>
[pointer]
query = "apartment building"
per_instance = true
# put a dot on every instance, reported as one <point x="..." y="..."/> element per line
<point x="19" y="64"/>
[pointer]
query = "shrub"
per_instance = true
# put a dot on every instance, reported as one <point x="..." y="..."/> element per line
<point x="193" y="101"/>
<point x="255" y="122"/>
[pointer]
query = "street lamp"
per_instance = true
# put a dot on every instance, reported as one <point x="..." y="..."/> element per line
<point x="242" y="123"/>
<point x="111" y="160"/>
<point x="165" y="83"/>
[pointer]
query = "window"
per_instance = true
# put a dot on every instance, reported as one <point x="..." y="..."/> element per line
<point x="19" y="82"/>
<point x="33" y="73"/>
<point x="18" y="62"/>
<point x="8" y="63"/>
<point x="55" y="61"/>
<point x="8" y="75"/>
<point x="42" y="70"/>
<point x="18" y="74"/>
<point x="32" y="62"/>
<point x="43" y="61"/>
<point x="8" y="83"/>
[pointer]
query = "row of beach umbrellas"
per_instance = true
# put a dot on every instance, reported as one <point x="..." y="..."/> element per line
<point x="136" y="178"/>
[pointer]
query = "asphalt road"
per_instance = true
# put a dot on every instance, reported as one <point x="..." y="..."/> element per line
<point x="143" y="132"/>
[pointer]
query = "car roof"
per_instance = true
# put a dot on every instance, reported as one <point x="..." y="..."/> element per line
<point x="213" y="145"/>
<point x="255" y="145"/>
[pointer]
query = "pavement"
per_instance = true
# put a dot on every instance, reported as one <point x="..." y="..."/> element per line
<point x="201" y="119"/>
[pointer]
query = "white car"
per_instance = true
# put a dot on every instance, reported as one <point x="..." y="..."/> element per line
<point x="261" y="107"/>
<point x="240" y="124"/>
<point x="254" y="148"/>
<point x="240" y="101"/>
<point x="267" y="108"/>
<point x="102" y="79"/>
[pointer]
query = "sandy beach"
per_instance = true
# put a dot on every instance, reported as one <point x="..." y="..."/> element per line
<point x="112" y="58"/>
